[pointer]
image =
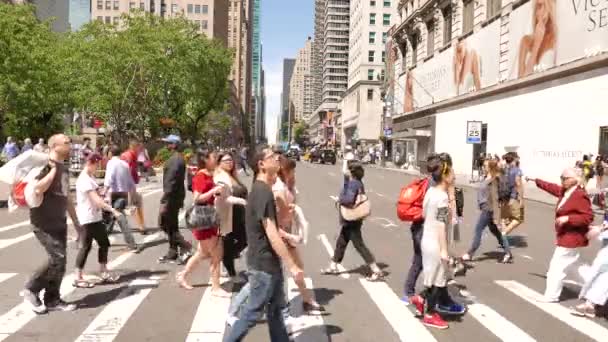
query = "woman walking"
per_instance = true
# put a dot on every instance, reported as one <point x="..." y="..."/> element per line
<point x="489" y="206"/>
<point x="89" y="206"/>
<point x="285" y="195"/>
<point x="231" y="212"/>
<point x="351" y="230"/>
<point x="209" y="240"/>
<point x="434" y="246"/>
<point x="599" y="170"/>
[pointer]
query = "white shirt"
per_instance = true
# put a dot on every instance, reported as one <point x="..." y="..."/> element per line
<point x="86" y="211"/>
<point x="567" y="195"/>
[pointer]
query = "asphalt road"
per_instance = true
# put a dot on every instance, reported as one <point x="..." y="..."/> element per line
<point x="147" y="305"/>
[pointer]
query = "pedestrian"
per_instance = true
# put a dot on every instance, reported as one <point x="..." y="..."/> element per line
<point x="130" y="156"/>
<point x="10" y="149"/>
<point x="243" y="160"/>
<point x="231" y="212"/>
<point x="489" y="206"/>
<point x="434" y="247"/>
<point x="41" y="146"/>
<point x="143" y="161"/>
<point x="264" y="255"/>
<point x="49" y="225"/>
<point x="588" y="170"/>
<point x="172" y="200"/>
<point x="209" y="239"/>
<point x="573" y="216"/>
<point x="89" y="206"/>
<point x="27" y="145"/>
<point x="599" y="170"/>
<point x="511" y="195"/>
<point x="118" y="184"/>
<point x="351" y="230"/>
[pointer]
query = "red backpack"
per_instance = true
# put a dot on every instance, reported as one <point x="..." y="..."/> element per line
<point x="411" y="197"/>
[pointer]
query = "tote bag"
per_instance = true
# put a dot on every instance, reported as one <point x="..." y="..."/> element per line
<point x="359" y="211"/>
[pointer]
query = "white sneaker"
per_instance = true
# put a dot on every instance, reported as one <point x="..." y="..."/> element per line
<point x="231" y="320"/>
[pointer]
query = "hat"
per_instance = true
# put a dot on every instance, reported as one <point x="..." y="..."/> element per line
<point x="172" y="139"/>
<point x="94" y="158"/>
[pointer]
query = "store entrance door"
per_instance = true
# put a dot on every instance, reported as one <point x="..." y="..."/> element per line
<point x="603" y="148"/>
<point x="480" y="150"/>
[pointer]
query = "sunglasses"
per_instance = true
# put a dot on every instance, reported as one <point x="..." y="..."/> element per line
<point x="226" y="160"/>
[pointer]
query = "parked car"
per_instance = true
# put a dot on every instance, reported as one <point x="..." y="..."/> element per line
<point x="323" y="156"/>
<point x="293" y="154"/>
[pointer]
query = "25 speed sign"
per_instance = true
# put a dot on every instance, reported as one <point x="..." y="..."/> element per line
<point x="474" y="132"/>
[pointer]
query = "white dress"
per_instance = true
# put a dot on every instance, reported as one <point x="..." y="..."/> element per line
<point x="436" y="213"/>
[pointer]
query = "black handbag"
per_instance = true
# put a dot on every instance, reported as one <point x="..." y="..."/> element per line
<point x="202" y="217"/>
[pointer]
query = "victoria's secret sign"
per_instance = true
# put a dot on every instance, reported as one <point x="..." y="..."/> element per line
<point x="596" y="12"/>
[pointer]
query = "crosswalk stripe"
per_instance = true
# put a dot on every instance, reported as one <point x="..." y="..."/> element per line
<point x="209" y="321"/>
<point x="401" y="319"/>
<point x="107" y="325"/>
<point x="330" y="251"/>
<point x="302" y="326"/>
<point x="13" y="226"/>
<point x="497" y="324"/>
<point x="20" y="315"/>
<point x="6" y="276"/>
<point x="581" y="324"/>
<point x="9" y="242"/>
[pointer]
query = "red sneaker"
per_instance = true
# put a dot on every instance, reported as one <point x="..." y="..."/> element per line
<point x="418" y="303"/>
<point x="435" y="321"/>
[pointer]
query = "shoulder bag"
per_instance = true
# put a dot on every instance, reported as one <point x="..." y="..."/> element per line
<point x="202" y="217"/>
<point x="359" y="211"/>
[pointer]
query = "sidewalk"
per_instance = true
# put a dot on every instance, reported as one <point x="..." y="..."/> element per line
<point x="531" y="192"/>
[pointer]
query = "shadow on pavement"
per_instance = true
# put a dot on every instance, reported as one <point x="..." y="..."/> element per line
<point x="365" y="271"/>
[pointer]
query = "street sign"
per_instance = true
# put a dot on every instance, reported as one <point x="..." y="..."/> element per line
<point x="388" y="132"/>
<point x="474" y="132"/>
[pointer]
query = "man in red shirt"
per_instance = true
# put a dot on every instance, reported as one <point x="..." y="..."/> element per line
<point x="130" y="156"/>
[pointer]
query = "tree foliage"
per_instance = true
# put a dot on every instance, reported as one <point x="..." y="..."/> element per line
<point x="300" y="133"/>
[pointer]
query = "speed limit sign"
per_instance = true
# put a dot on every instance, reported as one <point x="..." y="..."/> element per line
<point x="474" y="132"/>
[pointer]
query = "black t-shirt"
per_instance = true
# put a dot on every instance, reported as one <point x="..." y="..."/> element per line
<point x="260" y="206"/>
<point x="51" y="214"/>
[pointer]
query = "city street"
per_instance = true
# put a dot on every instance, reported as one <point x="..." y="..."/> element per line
<point x="147" y="305"/>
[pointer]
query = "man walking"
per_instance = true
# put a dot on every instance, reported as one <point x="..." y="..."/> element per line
<point x="130" y="156"/>
<point x="265" y="246"/>
<point x="512" y="206"/>
<point x="10" y="150"/>
<point x="50" y="228"/>
<point x="243" y="160"/>
<point x="40" y="146"/>
<point x="174" y="193"/>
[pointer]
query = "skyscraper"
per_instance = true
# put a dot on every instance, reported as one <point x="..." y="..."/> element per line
<point x="288" y="64"/>
<point x="256" y="79"/>
<point x="301" y="85"/>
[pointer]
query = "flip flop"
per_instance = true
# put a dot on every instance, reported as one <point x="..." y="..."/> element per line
<point x="82" y="284"/>
<point x="109" y="277"/>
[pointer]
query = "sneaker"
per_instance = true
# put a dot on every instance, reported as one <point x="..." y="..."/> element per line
<point x="405" y="300"/>
<point x="435" y="321"/>
<point x="60" y="305"/>
<point x="418" y="303"/>
<point x="33" y="302"/>
<point x="507" y="258"/>
<point x="331" y="269"/>
<point x="183" y="259"/>
<point x="313" y="307"/>
<point x="231" y="320"/>
<point x="169" y="257"/>
<point x="135" y="249"/>
<point x="452" y="309"/>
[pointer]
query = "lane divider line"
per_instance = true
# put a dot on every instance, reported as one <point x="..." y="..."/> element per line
<point x="303" y="327"/>
<point x="209" y="323"/>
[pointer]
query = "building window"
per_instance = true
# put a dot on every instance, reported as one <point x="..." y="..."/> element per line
<point x="372" y="3"/>
<point x="108" y="5"/>
<point x="116" y="5"/>
<point x="204" y="24"/>
<point x="415" y="39"/>
<point x="370" y="94"/>
<point x="370" y="56"/>
<point x="174" y="8"/>
<point x="197" y="9"/>
<point x="205" y="9"/>
<point x="383" y="56"/>
<point x="198" y="25"/>
<point x="387" y="3"/>
<point x="99" y="4"/>
<point x="108" y="20"/>
<point x="142" y="6"/>
<point x="131" y="5"/>
<point x="467" y="16"/>
<point x="370" y="74"/>
<point x="100" y="18"/>
<point x="190" y="8"/>
<point x="384" y="37"/>
<point x="386" y="19"/>
<point x="494" y="7"/>
<point x="372" y="37"/>
<point x="372" y="18"/>
<point x="115" y="19"/>
<point x="430" y="39"/>
<point x="447" y="25"/>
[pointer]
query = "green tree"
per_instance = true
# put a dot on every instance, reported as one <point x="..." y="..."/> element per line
<point x="300" y="130"/>
<point x="33" y="96"/>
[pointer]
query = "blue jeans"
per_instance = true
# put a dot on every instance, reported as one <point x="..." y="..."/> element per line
<point x="416" y="268"/>
<point x="485" y="220"/>
<point x="266" y="292"/>
<point x="239" y="300"/>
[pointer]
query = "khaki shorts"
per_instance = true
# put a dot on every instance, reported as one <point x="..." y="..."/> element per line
<point x="512" y="211"/>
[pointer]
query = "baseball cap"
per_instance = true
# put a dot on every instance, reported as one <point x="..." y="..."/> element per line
<point x="94" y="158"/>
<point x="172" y="139"/>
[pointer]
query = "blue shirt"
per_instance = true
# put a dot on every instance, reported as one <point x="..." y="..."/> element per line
<point x="512" y="175"/>
<point x="10" y="150"/>
<point x="118" y="176"/>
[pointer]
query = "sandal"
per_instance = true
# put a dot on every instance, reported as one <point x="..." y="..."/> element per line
<point x="82" y="284"/>
<point x="376" y="276"/>
<point x="109" y="277"/>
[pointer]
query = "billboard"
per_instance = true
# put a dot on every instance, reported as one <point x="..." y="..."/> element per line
<point x="470" y="65"/>
<point x="548" y="33"/>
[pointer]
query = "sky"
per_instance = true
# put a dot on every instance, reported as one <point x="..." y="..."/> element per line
<point x="286" y="24"/>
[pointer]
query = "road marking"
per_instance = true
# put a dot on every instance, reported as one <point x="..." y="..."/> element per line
<point x="582" y="324"/>
<point x="6" y="276"/>
<point x="386" y="223"/>
<point x="330" y="251"/>
<point x="302" y="326"/>
<point x="107" y="325"/>
<point x="497" y="324"/>
<point x="209" y="321"/>
<point x="13" y="226"/>
<point x="379" y="194"/>
<point x="20" y="315"/>
<point x="525" y="256"/>
<point x="407" y="327"/>
<point x="334" y="198"/>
